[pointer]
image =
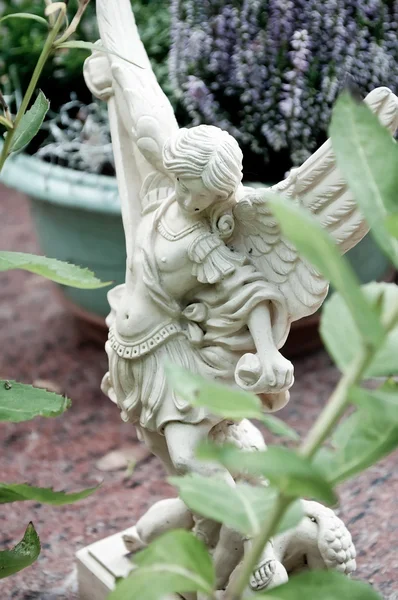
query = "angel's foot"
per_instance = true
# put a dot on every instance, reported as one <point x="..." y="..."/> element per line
<point x="268" y="575"/>
<point x="132" y="541"/>
<point x="262" y="575"/>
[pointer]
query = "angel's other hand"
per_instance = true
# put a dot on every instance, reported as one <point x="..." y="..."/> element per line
<point x="274" y="374"/>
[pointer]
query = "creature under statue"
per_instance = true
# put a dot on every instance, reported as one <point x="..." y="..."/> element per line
<point x="211" y="286"/>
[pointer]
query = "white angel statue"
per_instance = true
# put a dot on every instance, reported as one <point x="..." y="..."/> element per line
<point x="211" y="284"/>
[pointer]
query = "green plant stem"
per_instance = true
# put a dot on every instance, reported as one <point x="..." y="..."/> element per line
<point x="391" y="321"/>
<point x="6" y="122"/>
<point x="75" y="22"/>
<point x="336" y="406"/>
<point x="253" y="556"/>
<point x="339" y="399"/>
<point x="45" y="53"/>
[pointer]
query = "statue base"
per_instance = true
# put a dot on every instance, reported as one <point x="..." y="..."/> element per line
<point x="101" y="564"/>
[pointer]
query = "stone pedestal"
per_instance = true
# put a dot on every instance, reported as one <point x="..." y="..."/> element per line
<point x="101" y="564"/>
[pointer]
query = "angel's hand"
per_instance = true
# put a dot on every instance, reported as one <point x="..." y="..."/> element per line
<point x="98" y="75"/>
<point x="273" y="375"/>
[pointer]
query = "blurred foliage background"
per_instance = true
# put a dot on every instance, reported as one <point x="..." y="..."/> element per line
<point x="21" y="42"/>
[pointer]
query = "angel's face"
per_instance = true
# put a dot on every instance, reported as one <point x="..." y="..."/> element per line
<point x="192" y="195"/>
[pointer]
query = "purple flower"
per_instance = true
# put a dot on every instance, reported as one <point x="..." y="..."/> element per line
<point x="269" y="71"/>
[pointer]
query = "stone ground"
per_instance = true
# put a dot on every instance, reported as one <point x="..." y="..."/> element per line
<point x="40" y="340"/>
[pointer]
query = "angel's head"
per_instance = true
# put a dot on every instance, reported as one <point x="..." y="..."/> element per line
<point x="207" y="164"/>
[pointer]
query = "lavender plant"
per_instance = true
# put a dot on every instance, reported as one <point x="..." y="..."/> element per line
<point x="269" y="71"/>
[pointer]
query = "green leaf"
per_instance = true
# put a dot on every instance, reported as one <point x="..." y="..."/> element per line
<point x="382" y="401"/>
<point x="321" y="585"/>
<point x="22" y="555"/>
<point x="317" y="246"/>
<point x="279" y="427"/>
<point x="30" y="123"/>
<point x="175" y="562"/>
<point x="367" y="156"/>
<point x="391" y="224"/>
<point x="19" y="402"/>
<point x="224" y="401"/>
<point x="341" y="337"/>
<point x="19" y="492"/>
<point x="242" y="507"/>
<point x="360" y="441"/>
<point x="292" y="516"/>
<point x="292" y="474"/>
<point x="25" y="16"/>
<point x="56" y="270"/>
<point x="94" y="47"/>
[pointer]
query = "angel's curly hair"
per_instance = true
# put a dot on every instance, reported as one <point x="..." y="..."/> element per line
<point x="207" y="152"/>
<point x="213" y="155"/>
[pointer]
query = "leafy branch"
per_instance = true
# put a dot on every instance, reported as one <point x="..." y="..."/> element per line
<point x="20" y="402"/>
<point x="45" y="54"/>
<point x="27" y="122"/>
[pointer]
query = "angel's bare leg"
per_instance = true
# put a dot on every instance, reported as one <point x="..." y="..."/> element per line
<point x="156" y="443"/>
<point x="227" y="555"/>
<point x="164" y="515"/>
<point x="152" y="525"/>
<point x="161" y="517"/>
<point x="182" y="440"/>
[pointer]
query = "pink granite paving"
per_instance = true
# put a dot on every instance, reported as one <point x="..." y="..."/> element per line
<point x="40" y="340"/>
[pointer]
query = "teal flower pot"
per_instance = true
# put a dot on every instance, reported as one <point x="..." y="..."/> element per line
<point x="78" y="219"/>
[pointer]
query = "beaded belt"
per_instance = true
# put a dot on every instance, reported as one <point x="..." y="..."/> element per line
<point x="145" y="345"/>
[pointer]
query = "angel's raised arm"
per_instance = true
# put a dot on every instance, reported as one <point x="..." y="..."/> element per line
<point x="142" y="106"/>
<point x="141" y="116"/>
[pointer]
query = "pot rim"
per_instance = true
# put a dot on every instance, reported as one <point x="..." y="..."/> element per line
<point x="62" y="186"/>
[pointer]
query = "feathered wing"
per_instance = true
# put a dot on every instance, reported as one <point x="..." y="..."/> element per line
<point x="140" y="114"/>
<point x="318" y="187"/>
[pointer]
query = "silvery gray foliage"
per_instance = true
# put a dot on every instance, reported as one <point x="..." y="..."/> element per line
<point x="269" y="71"/>
<point x="79" y="138"/>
